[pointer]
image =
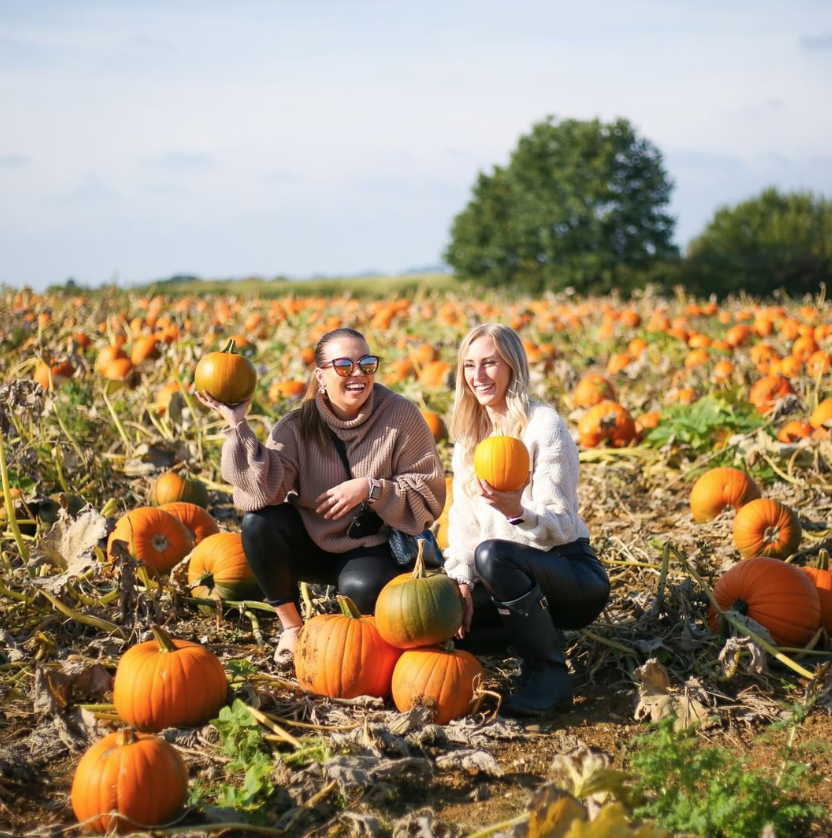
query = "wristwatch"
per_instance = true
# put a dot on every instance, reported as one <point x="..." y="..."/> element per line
<point x="375" y="490"/>
<point x="517" y="519"/>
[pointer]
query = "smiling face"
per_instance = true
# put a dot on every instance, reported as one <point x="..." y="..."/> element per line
<point x="347" y="394"/>
<point x="487" y="374"/>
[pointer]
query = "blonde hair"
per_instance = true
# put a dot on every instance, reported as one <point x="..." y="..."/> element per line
<point x="469" y="420"/>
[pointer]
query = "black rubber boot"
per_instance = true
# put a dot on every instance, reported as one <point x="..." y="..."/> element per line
<point x="540" y="645"/>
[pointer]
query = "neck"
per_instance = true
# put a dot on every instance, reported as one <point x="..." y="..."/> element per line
<point x="498" y="416"/>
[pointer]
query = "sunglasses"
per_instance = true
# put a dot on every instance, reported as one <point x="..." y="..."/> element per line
<point x="345" y="366"/>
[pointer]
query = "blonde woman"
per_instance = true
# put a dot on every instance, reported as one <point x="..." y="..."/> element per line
<point x="522" y="559"/>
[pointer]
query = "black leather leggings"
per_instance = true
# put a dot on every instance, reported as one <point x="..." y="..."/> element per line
<point x="281" y="554"/>
<point x="570" y="575"/>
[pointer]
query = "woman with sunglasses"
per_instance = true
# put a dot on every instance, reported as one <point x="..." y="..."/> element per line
<point x="522" y="559"/>
<point x="352" y="449"/>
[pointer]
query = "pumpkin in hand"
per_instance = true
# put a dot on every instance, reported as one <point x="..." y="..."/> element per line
<point x="419" y="608"/>
<point x="343" y="655"/>
<point x="766" y="527"/>
<point x="227" y="376"/>
<point x="138" y="776"/>
<point x="718" y="489"/>
<point x="168" y="683"/>
<point x="503" y="462"/>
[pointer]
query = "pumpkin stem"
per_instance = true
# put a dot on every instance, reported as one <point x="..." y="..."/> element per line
<point x="348" y="607"/>
<point x="229" y="347"/>
<point x="448" y="646"/>
<point x="419" y="570"/>
<point x="126" y="736"/>
<point x="823" y="559"/>
<point x="164" y="640"/>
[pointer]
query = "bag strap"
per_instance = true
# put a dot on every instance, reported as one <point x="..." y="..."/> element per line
<point x="342" y="451"/>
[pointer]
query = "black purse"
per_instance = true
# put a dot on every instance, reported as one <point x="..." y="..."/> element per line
<point x="365" y="521"/>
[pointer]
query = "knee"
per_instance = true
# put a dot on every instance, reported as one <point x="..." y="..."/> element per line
<point x="361" y="588"/>
<point x="487" y="559"/>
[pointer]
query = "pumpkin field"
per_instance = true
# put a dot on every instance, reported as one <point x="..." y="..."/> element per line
<point x="703" y="691"/>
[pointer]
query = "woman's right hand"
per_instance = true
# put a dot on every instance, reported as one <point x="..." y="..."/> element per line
<point x="467" y="610"/>
<point x="232" y="414"/>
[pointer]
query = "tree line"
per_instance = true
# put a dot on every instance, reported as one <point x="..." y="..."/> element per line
<point x="583" y="205"/>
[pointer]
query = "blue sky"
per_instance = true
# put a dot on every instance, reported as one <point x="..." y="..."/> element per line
<point x="145" y="138"/>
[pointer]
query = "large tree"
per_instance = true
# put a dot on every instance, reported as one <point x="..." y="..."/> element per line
<point x="579" y="204"/>
<point x="772" y="241"/>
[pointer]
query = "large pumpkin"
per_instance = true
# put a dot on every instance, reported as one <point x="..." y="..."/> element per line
<point x="227" y="376"/>
<point x="766" y="527"/>
<point x="503" y="462"/>
<point x="218" y="566"/>
<point x="168" y="683"/>
<point x="822" y="580"/>
<point x="443" y="677"/>
<point x="343" y="655"/>
<point x="153" y="536"/>
<point x="419" y="608"/>
<point x="608" y="421"/>
<point x="197" y="520"/>
<point x="777" y="595"/>
<point x="172" y="487"/>
<point x="140" y="777"/>
<point x="718" y="489"/>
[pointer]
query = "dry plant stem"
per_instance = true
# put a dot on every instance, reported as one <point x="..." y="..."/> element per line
<point x="117" y="422"/>
<point x="183" y="388"/>
<point x="308" y="726"/>
<point x="95" y="622"/>
<point x="499" y="827"/>
<point x="255" y="627"/>
<point x="738" y="624"/>
<point x="273" y="727"/>
<point x="9" y="501"/>
<point x="625" y="650"/>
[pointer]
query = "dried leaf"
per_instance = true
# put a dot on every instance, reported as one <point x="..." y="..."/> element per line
<point x="471" y="761"/>
<point x="654" y="700"/>
<point x="611" y="822"/>
<point x="552" y="812"/>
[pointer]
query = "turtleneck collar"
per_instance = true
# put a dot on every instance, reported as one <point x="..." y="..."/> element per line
<point x="345" y="424"/>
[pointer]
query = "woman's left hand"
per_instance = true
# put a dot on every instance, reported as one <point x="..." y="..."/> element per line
<point x="507" y="503"/>
<point x="336" y="502"/>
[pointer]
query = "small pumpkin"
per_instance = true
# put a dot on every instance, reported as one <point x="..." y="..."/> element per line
<point x="168" y="683"/>
<point x="608" y="421"/>
<point x="226" y="375"/>
<point x="343" y="655"/>
<point x="443" y="521"/>
<point x="503" y="462"/>
<point x="444" y="677"/>
<point x="138" y="776"/>
<point x="766" y="527"/>
<point x="172" y="487"/>
<point x="591" y="390"/>
<point x="794" y="430"/>
<point x="218" y="566"/>
<point x="767" y="391"/>
<point x="436" y="424"/>
<point x="419" y="608"/>
<point x="821" y="416"/>
<point x="822" y="580"/>
<point x="198" y="521"/>
<point x="718" y="489"/>
<point x="777" y="595"/>
<point x="153" y="536"/>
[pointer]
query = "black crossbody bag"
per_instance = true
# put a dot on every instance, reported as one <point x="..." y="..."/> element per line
<point x="365" y="521"/>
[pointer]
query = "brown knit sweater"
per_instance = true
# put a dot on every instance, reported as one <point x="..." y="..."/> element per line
<point x="389" y="440"/>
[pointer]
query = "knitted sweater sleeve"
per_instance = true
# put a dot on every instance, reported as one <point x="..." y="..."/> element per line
<point x="463" y="527"/>
<point x="260" y="474"/>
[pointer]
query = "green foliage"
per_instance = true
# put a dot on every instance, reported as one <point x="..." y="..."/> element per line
<point x="705" y="790"/>
<point x="775" y="240"/>
<point x="580" y="204"/>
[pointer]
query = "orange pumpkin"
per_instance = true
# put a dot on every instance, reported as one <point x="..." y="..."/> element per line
<point x="822" y="580"/>
<point x="436" y="425"/>
<point x="718" y="489"/>
<point x="168" y="683"/>
<point x="775" y="594"/>
<point x="197" y="520"/>
<point x="767" y="391"/>
<point x="219" y="568"/>
<point x="442" y="677"/>
<point x="503" y="462"/>
<point x="145" y="348"/>
<point x="171" y="487"/>
<point x="227" y="376"/>
<point x="822" y="414"/>
<point x="609" y="422"/>
<point x="794" y="430"/>
<point x="766" y="527"/>
<point x="591" y="390"/>
<point x="138" y="776"/>
<point x="153" y="536"/>
<point x="343" y="655"/>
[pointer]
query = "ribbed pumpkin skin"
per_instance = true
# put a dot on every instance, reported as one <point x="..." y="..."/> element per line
<point x="172" y="487"/>
<point x="718" y="489"/>
<point x="228" y="377"/>
<point x="138" y="775"/>
<point x="822" y="580"/>
<point x="413" y="612"/>
<point x="344" y="657"/>
<point x="766" y="527"/>
<point x="608" y="421"/>
<point x="447" y="678"/>
<point x="222" y="557"/>
<point x="153" y="536"/>
<point x="503" y="462"/>
<point x="197" y="521"/>
<point x="777" y="595"/>
<point x="155" y="689"/>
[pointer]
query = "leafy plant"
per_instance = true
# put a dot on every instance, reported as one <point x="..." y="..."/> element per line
<point x="706" y="790"/>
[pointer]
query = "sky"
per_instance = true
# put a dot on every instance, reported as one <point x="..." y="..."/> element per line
<point x="140" y="139"/>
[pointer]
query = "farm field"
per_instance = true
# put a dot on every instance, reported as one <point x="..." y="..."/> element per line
<point x="96" y="406"/>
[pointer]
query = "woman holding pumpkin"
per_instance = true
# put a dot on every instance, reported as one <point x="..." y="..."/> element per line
<point x="300" y="498"/>
<point x="522" y="558"/>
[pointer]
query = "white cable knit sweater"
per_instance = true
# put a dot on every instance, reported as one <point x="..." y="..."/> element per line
<point x="550" y="501"/>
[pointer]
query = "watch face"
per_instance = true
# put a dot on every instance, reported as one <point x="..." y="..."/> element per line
<point x="375" y="492"/>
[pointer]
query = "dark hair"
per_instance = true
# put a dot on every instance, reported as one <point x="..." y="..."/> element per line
<point x="312" y="426"/>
